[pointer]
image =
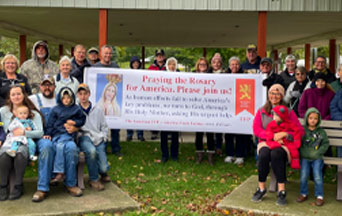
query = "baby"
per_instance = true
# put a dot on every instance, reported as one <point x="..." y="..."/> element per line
<point x="23" y="121"/>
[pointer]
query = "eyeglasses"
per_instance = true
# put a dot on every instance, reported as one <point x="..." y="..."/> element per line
<point x="202" y="64"/>
<point x="320" y="62"/>
<point x="275" y="94"/>
<point x="10" y="63"/>
<point x="299" y="74"/>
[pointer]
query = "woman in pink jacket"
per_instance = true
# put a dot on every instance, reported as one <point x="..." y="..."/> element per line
<point x="277" y="157"/>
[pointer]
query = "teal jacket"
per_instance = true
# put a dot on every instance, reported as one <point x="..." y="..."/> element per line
<point x="314" y="143"/>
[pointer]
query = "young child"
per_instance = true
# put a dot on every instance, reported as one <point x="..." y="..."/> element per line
<point x="314" y="144"/>
<point x="22" y="120"/>
<point x="66" y="112"/>
<point x="291" y="142"/>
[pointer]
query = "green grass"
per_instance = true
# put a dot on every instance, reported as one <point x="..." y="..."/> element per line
<point x="176" y="188"/>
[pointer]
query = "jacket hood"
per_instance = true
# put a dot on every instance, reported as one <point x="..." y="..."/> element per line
<point x="312" y="110"/>
<point x="42" y="43"/>
<point x="63" y="91"/>
<point x="133" y="59"/>
<point x="282" y="112"/>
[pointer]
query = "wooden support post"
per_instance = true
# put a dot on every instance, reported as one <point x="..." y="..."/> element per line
<point x="103" y="27"/>
<point x="72" y="51"/>
<point x="289" y="50"/>
<point x="204" y="52"/>
<point x="60" y="50"/>
<point x="275" y="52"/>
<point x="307" y="56"/>
<point x="22" y="44"/>
<point x="332" y="55"/>
<point x="143" y="57"/>
<point x="262" y="30"/>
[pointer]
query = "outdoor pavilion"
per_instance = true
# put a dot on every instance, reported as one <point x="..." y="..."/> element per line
<point x="274" y="25"/>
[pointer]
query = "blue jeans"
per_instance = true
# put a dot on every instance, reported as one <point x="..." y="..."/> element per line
<point x="130" y="133"/>
<point x="45" y="164"/>
<point x="66" y="158"/>
<point x="317" y="167"/>
<point x="30" y="143"/>
<point x="115" y="144"/>
<point x="96" y="157"/>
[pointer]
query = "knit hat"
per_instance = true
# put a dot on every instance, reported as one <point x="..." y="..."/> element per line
<point x="281" y="111"/>
<point x="277" y="87"/>
<point x="320" y="75"/>
<point x="216" y="56"/>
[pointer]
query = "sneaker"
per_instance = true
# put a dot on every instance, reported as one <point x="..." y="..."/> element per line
<point x="33" y="157"/>
<point x="142" y="139"/>
<point x="128" y="139"/>
<point x="75" y="191"/>
<point x="281" y="198"/>
<point x="97" y="185"/>
<point x="39" y="196"/>
<point x="319" y="202"/>
<point x="11" y="153"/>
<point x="105" y="178"/>
<point x="258" y="195"/>
<point x="301" y="198"/>
<point x="229" y="159"/>
<point x="239" y="161"/>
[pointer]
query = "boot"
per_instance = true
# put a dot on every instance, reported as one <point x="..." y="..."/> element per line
<point x="211" y="158"/>
<point x="199" y="157"/>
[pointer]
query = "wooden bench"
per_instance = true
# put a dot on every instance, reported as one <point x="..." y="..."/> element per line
<point x="334" y="132"/>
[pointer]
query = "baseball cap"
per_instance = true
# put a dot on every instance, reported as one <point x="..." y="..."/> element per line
<point x="160" y="52"/>
<point x="268" y="60"/>
<point x="83" y="86"/>
<point x="251" y="47"/>
<point x="93" y="49"/>
<point x="48" y="78"/>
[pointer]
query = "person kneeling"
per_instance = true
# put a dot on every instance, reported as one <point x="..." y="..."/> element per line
<point x="92" y="139"/>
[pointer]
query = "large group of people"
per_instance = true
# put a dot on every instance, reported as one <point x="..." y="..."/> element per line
<point x="46" y="107"/>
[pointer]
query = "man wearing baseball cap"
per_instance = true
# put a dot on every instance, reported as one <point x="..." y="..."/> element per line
<point x="92" y="139"/>
<point x="93" y="55"/>
<point x="251" y="65"/>
<point x="271" y="76"/>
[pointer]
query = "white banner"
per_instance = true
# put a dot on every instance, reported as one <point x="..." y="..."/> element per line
<point x="176" y="101"/>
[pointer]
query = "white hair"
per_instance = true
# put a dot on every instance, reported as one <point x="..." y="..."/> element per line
<point x="234" y="58"/>
<point x="290" y="57"/>
<point x="65" y="58"/>
<point x="171" y="59"/>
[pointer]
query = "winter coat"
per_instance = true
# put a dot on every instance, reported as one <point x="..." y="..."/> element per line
<point x="314" y="143"/>
<point x="329" y="76"/>
<point x="77" y="71"/>
<point x="294" y="92"/>
<point x="292" y="142"/>
<point x="155" y="66"/>
<point x="272" y="79"/>
<point x="95" y="126"/>
<point x="111" y="65"/>
<point x="318" y="98"/>
<point x="35" y="71"/>
<point x="336" y="107"/>
<point x="288" y="79"/>
<point x="61" y="113"/>
<point x="336" y="85"/>
<point x="262" y="118"/>
<point x="251" y="68"/>
<point x="230" y="71"/>
<point x="6" y="83"/>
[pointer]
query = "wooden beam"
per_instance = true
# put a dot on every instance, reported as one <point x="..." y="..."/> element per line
<point x="72" y="51"/>
<point x="143" y="57"/>
<point x="332" y="55"/>
<point x="275" y="52"/>
<point x="60" y="50"/>
<point x="103" y="27"/>
<point x="307" y="56"/>
<point x="262" y="30"/>
<point x="22" y="45"/>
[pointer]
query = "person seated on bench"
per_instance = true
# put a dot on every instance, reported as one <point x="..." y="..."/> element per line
<point x="17" y="97"/>
<point x="336" y="112"/>
<point x="65" y="113"/>
<point x="92" y="139"/>
<point x="278" y="156"/>
<point x="314" y="144"/>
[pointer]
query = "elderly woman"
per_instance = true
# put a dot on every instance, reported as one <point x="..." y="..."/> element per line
<point x="17" y="97"/>
<point x="171" y="66"/>
<point x="9" y="77"/>
<point x="216" y="64"/>
<point x="296" y="88"/>
<point x="318" y="97"/>
<point x="276" y="157"/>
<point x="202" y="66"/>
<point x="337" y="84"/>
<point x="63" y="79"/>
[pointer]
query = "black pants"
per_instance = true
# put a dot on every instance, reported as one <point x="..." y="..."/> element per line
<point x="7" y="163"/>
<point x="278" y="158"/>
<point x="199" y="141"/>
<point x="238" y="148"/>
<point x="174" y="144"/>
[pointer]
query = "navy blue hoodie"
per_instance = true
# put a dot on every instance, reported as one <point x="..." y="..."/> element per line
<point x="61" y="113"/>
